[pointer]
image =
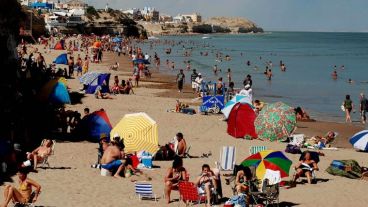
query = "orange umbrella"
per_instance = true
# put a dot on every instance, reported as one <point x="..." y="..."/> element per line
<point x="97" y="44"/>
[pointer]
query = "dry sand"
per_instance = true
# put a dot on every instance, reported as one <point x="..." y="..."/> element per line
<point x="71" y="181"/>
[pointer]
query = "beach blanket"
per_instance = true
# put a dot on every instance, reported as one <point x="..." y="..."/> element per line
<point x="345" y="168"/>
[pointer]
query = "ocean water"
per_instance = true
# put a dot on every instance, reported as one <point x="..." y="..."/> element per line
<point x="309" y="59"/>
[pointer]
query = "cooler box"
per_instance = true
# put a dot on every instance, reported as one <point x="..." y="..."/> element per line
<point x="147" y="161"/>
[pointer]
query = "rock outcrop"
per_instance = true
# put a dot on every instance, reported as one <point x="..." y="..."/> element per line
<point x="234" y="24"/>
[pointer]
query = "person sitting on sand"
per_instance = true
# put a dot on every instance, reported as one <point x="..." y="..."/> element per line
<point x="305" y="167"/>
<point x="301" y="114"/>
<point x="258" y="105"/>
<point x="241" y="180"/>
<point x="115" y="66"/>
<point x="22" y="194"/>
<point x="206" y="181"/>
<point x="174" y="175"/>
<point x="38" y="154"/>
<point x="180" y="145"/>
<point x="99" y="94"/>
<point x="113" y="158"/>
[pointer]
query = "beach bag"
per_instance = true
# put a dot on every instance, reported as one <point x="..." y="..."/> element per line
<point x="345" y="168"/>
<point x="238" y="200"/>
<point x="293" y="149"/>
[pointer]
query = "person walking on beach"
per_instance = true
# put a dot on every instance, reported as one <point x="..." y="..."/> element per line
<point x="193" y="77"/>
<point x="180" y="78"/>
<point x="363" y="107"/>
<point x="348" y="105"/>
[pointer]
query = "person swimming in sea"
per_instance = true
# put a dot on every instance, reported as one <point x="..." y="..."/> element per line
<point x="334" y="75"/>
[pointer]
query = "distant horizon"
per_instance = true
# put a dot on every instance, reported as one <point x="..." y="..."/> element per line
<point x="281" y="15"/>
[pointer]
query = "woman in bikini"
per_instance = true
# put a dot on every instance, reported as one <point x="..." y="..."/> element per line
<point x="174" y="175"/>
<point x="39" y="154"/>
<point x="24" y="192"/>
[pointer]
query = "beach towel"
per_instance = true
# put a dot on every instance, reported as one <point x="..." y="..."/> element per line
<point x="345" y="168"/>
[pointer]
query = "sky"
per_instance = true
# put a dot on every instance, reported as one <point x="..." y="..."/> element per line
<point x="271" y="15"/>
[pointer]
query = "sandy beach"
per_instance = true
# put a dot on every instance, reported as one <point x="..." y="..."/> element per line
<point x="72" y="182"/>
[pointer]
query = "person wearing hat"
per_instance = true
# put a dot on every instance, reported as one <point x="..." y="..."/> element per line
<point x="193" y="77"/>
<point x="248" y="92"/>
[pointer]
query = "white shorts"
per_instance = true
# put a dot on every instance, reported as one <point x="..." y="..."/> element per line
<point x="194" y="85"/>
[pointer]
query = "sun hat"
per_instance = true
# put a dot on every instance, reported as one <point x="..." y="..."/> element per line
<point x="199" y="74"/>
<point x="116" y="135"/>
<point x="247" y="86"/>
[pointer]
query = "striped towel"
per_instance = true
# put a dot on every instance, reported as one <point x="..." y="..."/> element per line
<point x="256" y="149"/>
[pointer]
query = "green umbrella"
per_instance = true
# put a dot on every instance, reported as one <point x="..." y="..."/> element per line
<point x="275" y="122"/>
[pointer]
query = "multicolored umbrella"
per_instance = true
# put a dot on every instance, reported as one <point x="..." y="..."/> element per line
<point x="275" y="122"/>
<point x="55" y="91"/>
<point x="230" y="104"/>
<point x="360" y="140"/>
<point x="139" y="132"/>
<point x="268" y="159"/>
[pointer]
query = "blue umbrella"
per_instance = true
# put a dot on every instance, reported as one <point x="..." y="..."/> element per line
<point x="144" y="61"/>
<point x="360" y="140"/>
<point x="61" y="59"/>
<point x="116" y="40"/>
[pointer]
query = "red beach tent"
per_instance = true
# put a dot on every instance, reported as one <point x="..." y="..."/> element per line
<point x="241" y="121"/>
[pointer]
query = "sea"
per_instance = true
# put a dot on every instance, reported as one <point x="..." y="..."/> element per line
<point x="309" y="57"/>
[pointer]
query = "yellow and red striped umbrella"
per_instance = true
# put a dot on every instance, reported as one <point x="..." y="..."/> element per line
<point x="139" y="132"/>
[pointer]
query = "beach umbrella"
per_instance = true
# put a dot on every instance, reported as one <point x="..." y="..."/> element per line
<point x="89" y="77"/>
<point x="139" y="132"/>
<point x="117" y="40"/>
<point x="268" y="159"/>
<point x="360" y="140"/>
<point x="143" y="61"/>
<point x="275" y="122"/>
<point x="55" y="91"/>
<point x="230" y="104"/>
<point x="61" y="59"/>
<point x="95" y="124"/>
<point x="97" y="44"/>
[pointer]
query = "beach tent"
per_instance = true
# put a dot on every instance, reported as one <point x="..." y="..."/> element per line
<point x="275" y="122"/>
<point x="59" y="46"/>
<point x="230" y="104"/>
<point x="95" y="124"/>
<point x="62" y="59"/>
<point x="55" y="91"/>
<point x="241" y="121"/>
<point x="139" y="132"/>
<point x="94" y="79"/>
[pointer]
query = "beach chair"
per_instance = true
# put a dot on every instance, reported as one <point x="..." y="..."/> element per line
<point x="143" y="190"/>
<point x="45" y="160"/>
<point x="227" y="158"/>
<point x="256" y="149"/>
<point x="189" y="193"/>
<point x="270" y="191"/>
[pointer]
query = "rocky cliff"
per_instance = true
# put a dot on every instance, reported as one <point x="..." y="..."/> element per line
<point x="234" y="24"/>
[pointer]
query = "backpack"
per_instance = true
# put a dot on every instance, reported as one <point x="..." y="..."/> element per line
<point x="293" y="149"/>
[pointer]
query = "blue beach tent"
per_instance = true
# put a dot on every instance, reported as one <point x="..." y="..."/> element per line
<point x="62" y="59"/>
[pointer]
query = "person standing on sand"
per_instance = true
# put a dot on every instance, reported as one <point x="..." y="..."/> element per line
<point x="363" y="107"/>
<point x="180" y="79"/>
<point x="348" y="105"/>
<point x="193" y="77"/>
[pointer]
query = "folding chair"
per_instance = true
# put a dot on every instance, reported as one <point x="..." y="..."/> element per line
<point x="144" y="191"/>
<point x="189" y="193"/>
<point x="256" y="149"/>
<point x="227" y="158"/>
<point x="45" y="160"/>
<point x="270" y="190"/>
